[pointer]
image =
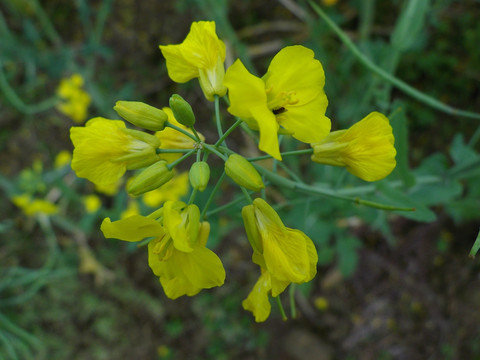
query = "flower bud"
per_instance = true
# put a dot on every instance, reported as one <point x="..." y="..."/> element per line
<point x="141" y="115"/>
<point x="182" y="111"/>
<point x="150" y="179"/>
<point x="243" y="173"/>
<point x="199" y="175"/>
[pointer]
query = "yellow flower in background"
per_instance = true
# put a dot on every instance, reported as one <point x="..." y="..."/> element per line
<point x="105" y="149"/>
<point x="75" y="100"/>
<point x="177" y="254"/>
<point x="257" y="301"/>
<point x="200" y="55"/>
<point x="172" y="190"/>
<point x="92" y="203"/>
<point x="32" y="207"/>
<point x="287" y="254"/>
<point x="62" y="159"/>
<point x="132" y="209"/>
<point x="366" y="149"/>
<point x="172" y="139"/>
<point x="289" y="96"/>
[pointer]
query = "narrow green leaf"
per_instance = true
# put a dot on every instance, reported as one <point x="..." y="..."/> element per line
<point x="475" y="247"/>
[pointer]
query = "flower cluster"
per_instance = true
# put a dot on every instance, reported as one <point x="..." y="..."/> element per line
<point x="75" y="100"/>
<point x="289" y="99"/>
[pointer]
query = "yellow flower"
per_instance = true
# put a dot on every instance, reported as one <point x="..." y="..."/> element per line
<point x="257" y="301"/>
<point x="92" y="203"/>
<point x="75" y="100"/>
<point x="105" y="149"/>
<point x="287" y="254"/>
<point x="32" y="207"/>
<point x="172" y="139"/>
<point x="177" y="254"/>
<point x="200" y="55"/>
<point x="289" y="96"/>
<point x="172" y="190"/>
<point x="366" y="149"/>
<point x="63" y="158"/>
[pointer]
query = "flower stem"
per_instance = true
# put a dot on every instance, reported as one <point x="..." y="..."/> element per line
<point x="293" y="308"/>
<point x="215" y="151"/>
<point x="287" y="153"/>
<point x="173" y="151"/>
<point x="399" y="84"/>
<point x="246" y="194"/>
<point x="196" y="134"/>
<point x="212" y="195"/>
<point x="228" y="132"/>
<point x="184" y="132"/>
<point x="218" y="120"/>
<point x="178" y="161"/>
<point x="280" y="307"/>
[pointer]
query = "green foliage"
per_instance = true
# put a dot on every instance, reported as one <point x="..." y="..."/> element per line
<point x="437" y="173"/>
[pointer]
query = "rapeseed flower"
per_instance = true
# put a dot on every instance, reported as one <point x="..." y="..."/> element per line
<point x="289" y="97"/>
<point x="200" y="55"/>
<point x="177" y="254"/>
<point x="288" y="255"/>
<point x="31" y="206"/>
<point x="75" y="100"/>
<point x="366" y="149"/>
<point x="105" y="149"/>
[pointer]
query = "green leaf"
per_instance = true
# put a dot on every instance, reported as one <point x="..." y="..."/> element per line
<point x="400" y="198"/>
<point x="347" y="254"/>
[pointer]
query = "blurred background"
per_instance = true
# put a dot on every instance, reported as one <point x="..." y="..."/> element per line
<point x="390" y="285"/>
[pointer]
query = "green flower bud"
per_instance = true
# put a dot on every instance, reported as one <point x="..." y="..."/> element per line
<point x="243" y="173"/>
<point x="141" y="115"/>
<point x="182" y="110"/>
<point x="199" y="175"/>
<point x="150" y="179"/>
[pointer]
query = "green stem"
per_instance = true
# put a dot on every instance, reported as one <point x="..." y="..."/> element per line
<point x="293" y="308"/>
<point x="246" y="194"/>
<point x="401" y="85"/>
<point x="366" y="18"/>
<point x="239" y="199"/>
<point x="178" y="161"/>
<point x="287" y="153"/>
<point x="475" y="246"/>
<point x="214" y="150"/>
<point x="218" y="120"/>
<point x="192" y="196"/>
<point x="280" y="307"/>
<point x="184" y="132"/>
<point x="290" y="172"/>
<point x="228" y="132"/>
<point x="196" y="134"/>
<point x="173" y="151"/>
<point x="46" y="23"/>
<point x="212" y="195"/>
<point x="281" y="181"/>
<point x="17" y="103"/>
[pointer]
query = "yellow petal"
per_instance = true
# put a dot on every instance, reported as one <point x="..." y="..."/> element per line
<point x="245" y="91"/>
<point x="133" y="228"/>
<point x="268" y="128"/>
<point x="257" y="301"/>
<point x="307" y="123"/>
<point x="188" y="273"/>
<point x="366" y="149"/>
<point x="179" y="69"/>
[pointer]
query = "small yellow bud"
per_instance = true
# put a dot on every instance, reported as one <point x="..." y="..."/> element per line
<point x="141" y="115"/>
<point x="150" y="179"/>
<point x="182" y="111"/>
<point x="243" y="173"/>
<point x="199" y="175"/>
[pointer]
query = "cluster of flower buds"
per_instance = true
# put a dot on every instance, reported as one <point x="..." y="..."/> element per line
<point x="288" y="99"/>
